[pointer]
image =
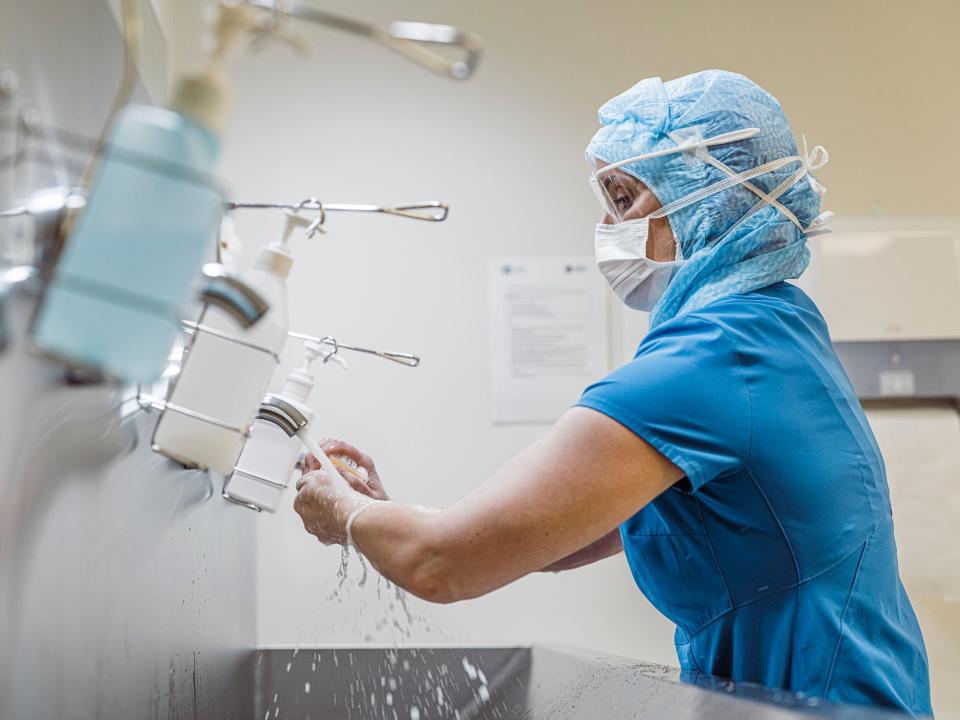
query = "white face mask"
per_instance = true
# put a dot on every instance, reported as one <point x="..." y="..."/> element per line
<point x="622" y="258"/>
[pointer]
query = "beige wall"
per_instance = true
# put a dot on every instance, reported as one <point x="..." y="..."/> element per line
<point x="875" y="82"/>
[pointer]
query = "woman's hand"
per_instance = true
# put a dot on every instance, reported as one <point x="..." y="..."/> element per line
<point x="325" y="503"/>
<point x="334" y="448"/>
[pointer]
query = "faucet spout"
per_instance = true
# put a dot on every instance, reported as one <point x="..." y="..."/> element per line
<point x="223" y="289"/>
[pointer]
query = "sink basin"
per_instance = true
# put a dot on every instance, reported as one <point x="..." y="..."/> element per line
<point x="539" y="683"/>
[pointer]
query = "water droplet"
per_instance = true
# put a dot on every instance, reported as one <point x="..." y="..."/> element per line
<point x="414" y="713"/>
<point x="389" y="698"/>
<point x="306" y="688"/>
<point x="484" y="693"/>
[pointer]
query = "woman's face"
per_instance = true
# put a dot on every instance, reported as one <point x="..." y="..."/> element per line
<point x="633" y="201"/>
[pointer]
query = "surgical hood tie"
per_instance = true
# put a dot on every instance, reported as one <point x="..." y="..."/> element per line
<point x="811" y="160"/>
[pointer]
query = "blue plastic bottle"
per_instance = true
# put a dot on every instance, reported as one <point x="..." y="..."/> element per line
<point x="114" y="301"/>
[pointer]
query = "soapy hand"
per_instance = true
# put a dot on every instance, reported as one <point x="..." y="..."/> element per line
<point x="334" y="449"/>
<point x="325" y="503"/>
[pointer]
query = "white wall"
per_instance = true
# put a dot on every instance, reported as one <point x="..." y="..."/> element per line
<point x="874" y="82"/>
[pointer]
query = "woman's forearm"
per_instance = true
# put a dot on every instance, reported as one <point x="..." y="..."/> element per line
<point x="405" y="544"/>
<point x="564" y="493"/>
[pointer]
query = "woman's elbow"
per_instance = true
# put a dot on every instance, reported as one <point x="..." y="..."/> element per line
<point x="437" y="571"/>
<point x="433" y="579"/>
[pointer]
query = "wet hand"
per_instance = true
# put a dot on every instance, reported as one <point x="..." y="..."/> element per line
<point x="371" y="485"/>
<point x="325" y="503"/>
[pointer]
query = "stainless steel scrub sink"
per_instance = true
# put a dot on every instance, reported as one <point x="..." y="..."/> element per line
<point x="538" y="683"/>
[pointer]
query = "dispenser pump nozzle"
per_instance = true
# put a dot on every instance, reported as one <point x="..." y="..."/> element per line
<point x="204" y="95"/>
<point x="312" y="351"/>
<point x="300" y="382"/>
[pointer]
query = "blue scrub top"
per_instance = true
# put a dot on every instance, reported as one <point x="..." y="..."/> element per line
<point x="775" y="557"/>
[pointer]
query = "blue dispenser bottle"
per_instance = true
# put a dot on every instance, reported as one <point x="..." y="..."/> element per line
<point x="114" y="300"/>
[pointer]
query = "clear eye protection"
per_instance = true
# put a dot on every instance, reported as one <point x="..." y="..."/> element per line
<point x="623" y="197"/>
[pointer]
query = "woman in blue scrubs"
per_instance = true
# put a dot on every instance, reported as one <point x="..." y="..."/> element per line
<point x="729" y="460"/>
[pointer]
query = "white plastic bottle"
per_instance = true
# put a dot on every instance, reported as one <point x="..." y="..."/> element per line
<point x="223" y="379"/>
<point x="267" y="463"/>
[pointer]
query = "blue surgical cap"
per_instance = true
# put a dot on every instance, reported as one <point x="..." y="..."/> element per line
<point x="722" y="257"/>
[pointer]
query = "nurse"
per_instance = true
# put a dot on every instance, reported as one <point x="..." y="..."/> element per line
<point x="730" y="460"/>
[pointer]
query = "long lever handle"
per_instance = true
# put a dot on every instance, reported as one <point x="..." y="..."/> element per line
<point x="410" y="39"/>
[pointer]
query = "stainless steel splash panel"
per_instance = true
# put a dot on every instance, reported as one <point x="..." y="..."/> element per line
<point x="127" y="585"/>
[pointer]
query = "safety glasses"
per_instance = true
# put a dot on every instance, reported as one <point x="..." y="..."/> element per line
<point x="622" y="196"/>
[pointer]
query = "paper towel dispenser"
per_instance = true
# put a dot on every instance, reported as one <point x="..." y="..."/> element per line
<point x="890" y="291"/>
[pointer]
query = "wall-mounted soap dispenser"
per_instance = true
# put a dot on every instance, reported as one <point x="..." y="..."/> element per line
<point x="270" y="455"/>
<point x="129" y="264"/>
<point x="225" y="374"/>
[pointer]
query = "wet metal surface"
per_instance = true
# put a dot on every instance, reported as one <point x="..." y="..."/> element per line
<point x="126" y="583"/>
<point x="508" y="684"/>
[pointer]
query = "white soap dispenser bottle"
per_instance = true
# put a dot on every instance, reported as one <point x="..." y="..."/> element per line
<point x="269" y="458"/>
<point x="225" y="372"/>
